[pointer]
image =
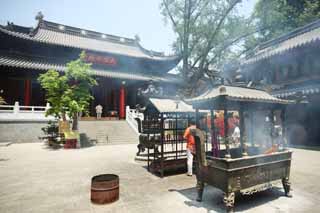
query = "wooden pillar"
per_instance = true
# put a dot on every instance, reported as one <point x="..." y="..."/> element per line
<point x="162" y="146"/>
<point x="122" y="103"/>
<point x="214" y="142"/>
<point x="212" y="120"/>
<point x="242" y="133"/>
<point x="27" y="92"/>
<point x="284" y="132"/>
<point x="251" y="128"/>
<point x="272" y="126"/>
<point x="226" y="130"/>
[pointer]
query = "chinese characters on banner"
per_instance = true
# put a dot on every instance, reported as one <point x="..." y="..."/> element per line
<point x="99" y="59"/>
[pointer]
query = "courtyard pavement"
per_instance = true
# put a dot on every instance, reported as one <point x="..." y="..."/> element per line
<point x="36" y="179"/>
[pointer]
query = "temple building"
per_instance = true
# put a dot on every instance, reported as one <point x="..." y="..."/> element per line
<point x="289" y="67"/>
<point x="121" y="65"/>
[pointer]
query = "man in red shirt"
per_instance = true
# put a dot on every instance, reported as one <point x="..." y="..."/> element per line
<point x="190" y="146"/>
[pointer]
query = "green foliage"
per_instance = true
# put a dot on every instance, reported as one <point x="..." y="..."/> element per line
<point x="55" y="86"/>
<point x="51" y="131"/>
<point x="277" y="17"/>
<point x="69" y="93"/>
<point x="206" y="31"/>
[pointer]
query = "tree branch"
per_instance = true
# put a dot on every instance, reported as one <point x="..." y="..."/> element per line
<point x="221" y="21"/>
<point x="224" y="47"/>
<point x="174" y="22"/>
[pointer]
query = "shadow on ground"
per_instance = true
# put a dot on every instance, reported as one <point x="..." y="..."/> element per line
<point x="213" y="199"/>
<point x="85" y="142"/>
<point x="167" y="173"/>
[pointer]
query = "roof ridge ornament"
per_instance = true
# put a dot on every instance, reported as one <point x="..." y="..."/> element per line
<point x="223" y="90"/>
<point x="137" y="38"/>
<point x="39" y="16"/>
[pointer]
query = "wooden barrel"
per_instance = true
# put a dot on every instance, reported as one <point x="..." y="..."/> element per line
<point x="105" y="188"/>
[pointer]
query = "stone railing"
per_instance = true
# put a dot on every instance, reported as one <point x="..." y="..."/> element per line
<point x="18" y="112"/>
<point x="131" y="115"/>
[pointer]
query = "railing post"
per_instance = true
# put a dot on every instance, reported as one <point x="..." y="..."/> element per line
<point x="47" y="107"/>
<point x="16" y="107"/>
<point x="127" y="112"/>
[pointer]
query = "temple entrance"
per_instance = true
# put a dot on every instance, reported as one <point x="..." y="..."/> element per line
<point x="114" y="95"/>
<point x="303" y="122"/>
<point x="21" y="86"/>
<point x="312" y="121"/>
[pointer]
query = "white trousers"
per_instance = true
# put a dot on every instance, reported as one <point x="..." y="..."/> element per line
<point x="189" y="161"/>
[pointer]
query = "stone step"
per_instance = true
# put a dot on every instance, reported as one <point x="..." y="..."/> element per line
<point x="108" y="132"/>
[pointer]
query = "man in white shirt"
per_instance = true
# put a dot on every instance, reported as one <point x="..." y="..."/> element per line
<point x="99" y="111"/>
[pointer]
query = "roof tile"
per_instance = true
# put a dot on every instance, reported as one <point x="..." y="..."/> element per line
<point x="17" y="61"/>
<point x="237" y="93"/>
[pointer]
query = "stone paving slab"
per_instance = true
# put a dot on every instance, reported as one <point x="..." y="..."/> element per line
<point x="35" y="179"/>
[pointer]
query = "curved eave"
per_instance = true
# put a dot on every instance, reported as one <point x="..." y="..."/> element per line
<point x="17" y="62"/>
<point x="302" y="90"/>
<point x="51" y="37"/>
<point x="237" y="94"/>
<point x="294" y="41"/>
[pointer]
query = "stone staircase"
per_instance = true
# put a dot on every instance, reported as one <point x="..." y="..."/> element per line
<point x="108" y="132"/>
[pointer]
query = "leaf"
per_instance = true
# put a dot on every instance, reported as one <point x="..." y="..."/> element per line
<point x="69" y="93"/>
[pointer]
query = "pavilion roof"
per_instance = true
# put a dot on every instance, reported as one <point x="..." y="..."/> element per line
<point x="299" y="37"/>
<point x="58" y="34"/>
<point x="171" y="105"/>
<point x="33" y="63"/>
<point x="237" y="94"/>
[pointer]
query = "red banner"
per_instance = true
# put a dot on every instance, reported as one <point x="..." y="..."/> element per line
<point x="99" y="59"/>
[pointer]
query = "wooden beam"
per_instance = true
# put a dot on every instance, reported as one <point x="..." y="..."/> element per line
<point x="284" y="128"/>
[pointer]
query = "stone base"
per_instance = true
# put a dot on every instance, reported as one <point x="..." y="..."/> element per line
<point x="143" y="157"/>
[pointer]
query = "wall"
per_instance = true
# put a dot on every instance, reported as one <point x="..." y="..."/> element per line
<point x="21" y="131"/>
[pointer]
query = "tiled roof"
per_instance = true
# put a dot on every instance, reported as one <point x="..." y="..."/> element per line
<point x="297" y="38"/>
<point x="57" y="34"/>
<point x="22" y="62"/>
<point x="304" y="90"/>
<point x="237" y="94"/>
<point x="170" y="105"/>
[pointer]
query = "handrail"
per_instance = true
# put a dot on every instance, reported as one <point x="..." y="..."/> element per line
<point x="131" y="115"/>
<point x="16" y="108"/>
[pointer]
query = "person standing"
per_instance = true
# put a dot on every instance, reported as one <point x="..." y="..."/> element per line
<point x="236" y="135"/>
<point x="99" y="111"/>
<point x="190" y="146"/>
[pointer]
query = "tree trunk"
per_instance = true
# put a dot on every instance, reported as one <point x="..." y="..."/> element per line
<point x="75" y="122"/>
<point x="64" y="116"/>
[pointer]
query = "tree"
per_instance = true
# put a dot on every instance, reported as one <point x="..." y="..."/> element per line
<point x="206" y="30"/>
<point x="277" y="17"/>
<point x="69" y="94"/>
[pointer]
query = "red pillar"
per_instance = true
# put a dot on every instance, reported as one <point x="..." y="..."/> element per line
<point x="122" y="104"/>
<point x="27" y="92"/>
